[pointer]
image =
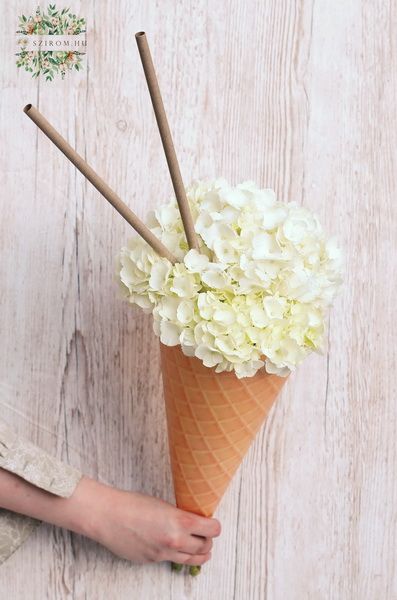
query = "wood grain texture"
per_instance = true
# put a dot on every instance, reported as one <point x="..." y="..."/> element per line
<point x="299" y="96"/>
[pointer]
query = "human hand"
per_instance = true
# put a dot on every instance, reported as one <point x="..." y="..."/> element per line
<point x="142" y="528"/>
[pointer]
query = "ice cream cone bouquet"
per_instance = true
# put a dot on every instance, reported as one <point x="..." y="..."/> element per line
<point x="234" y="318"/>
<point x="239" y="285"/>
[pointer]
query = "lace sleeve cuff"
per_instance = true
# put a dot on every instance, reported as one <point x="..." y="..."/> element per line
<point x="35" y="465"/>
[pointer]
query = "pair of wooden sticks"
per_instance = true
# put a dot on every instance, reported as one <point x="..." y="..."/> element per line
<point x="169" y="150"/>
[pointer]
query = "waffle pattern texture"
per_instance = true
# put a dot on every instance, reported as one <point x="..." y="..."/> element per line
<point x="212" y="419"/>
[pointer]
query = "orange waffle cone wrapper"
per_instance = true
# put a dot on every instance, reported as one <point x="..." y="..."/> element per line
<point x="212" y="419"/>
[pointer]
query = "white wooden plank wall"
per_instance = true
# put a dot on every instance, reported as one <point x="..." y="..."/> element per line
<point x="301" y="97"/>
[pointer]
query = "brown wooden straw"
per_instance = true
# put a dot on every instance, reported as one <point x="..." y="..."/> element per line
<point x="166" y="139"/>
<point x="97" y="182"/>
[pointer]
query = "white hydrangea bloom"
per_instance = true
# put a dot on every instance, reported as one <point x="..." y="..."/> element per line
<point x="255" y="295"/>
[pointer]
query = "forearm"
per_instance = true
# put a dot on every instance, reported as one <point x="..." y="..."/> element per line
<point x="73" y="513"/>
<point x="131" y="525"/>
